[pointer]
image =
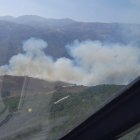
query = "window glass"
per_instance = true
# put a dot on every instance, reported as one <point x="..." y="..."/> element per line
<point x="61" y="61"/>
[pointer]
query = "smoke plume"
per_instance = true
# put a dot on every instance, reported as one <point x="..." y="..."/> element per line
<point x="93" y="63"/>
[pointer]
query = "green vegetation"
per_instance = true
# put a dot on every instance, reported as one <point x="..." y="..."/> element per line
<point x="78" y="107"/>
<point x="11" y="103"/>
<point x="85" y="102"/>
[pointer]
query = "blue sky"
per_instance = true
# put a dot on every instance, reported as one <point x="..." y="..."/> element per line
<point x="81" y="10"/>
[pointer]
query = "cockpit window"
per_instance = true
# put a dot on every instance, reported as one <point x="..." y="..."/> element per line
<point x="61" y="61"/>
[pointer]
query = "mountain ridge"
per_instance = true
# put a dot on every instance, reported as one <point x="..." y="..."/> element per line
<point x="59" y="33"/>
<point x="37" y="17"/>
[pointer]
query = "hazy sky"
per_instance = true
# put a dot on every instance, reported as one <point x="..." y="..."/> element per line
<point x="83" y="10"/>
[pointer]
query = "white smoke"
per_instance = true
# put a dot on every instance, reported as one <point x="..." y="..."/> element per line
<point x="93" y="63"/>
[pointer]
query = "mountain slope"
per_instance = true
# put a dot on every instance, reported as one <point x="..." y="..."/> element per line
<point x="58" y="33"/>
<point x="38" y="109"/>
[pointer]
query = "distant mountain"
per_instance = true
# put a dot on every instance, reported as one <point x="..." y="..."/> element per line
<point x="58" y="33"/>
<point x="37" y="21"/>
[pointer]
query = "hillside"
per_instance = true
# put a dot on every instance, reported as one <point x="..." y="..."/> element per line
<point x="58" y="33"/>
<point x="37" y="109"/>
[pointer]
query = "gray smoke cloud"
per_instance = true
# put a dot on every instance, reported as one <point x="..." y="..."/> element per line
<point x="93" y="63"/>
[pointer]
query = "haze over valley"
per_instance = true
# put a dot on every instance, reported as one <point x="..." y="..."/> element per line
<point x="70" y="51"/>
